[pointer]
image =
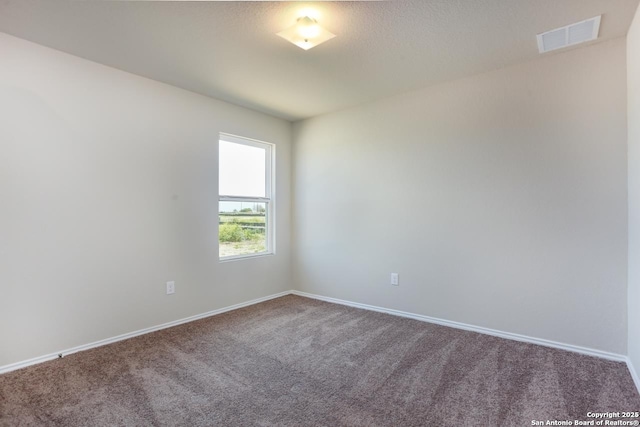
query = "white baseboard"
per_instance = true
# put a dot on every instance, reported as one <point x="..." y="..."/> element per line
<point x="634" y="374"/>
<point x="57" y="354"/>
<point x="479" y="329"/>
<point x="449" y="323"/>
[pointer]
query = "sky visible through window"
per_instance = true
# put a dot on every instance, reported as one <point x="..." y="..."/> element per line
<point x="242" y="172"/>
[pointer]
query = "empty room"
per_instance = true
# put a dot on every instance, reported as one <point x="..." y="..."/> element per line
<point x="342" y="213"/>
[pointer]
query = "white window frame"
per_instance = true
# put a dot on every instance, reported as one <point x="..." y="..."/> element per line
<point x="268" y="200"/>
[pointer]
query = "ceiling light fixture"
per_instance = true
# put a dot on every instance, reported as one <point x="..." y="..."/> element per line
<point x="306" y="33"/>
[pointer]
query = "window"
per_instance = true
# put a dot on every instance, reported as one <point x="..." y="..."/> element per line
<point x="245" y="203"/>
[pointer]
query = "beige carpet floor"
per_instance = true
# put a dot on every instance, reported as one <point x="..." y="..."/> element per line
<point x="294" y="361"/>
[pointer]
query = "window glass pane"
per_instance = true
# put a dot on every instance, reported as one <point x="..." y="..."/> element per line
<point x="242" y="170"/>
<point x="242" y="228"/>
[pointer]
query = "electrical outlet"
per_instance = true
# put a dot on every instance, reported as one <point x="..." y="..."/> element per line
<point x="395" y="280"/>
<point x="171" y="288"/>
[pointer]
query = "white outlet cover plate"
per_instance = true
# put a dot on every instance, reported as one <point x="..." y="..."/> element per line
<point x="395" y="279"/>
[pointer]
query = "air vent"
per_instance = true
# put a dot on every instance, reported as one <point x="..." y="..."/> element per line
<point x="570" y="35"/>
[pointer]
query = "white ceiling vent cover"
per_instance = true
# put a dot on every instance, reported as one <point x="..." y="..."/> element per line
<point x="570" y="35"/>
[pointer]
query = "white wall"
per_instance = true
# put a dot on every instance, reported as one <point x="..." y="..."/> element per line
<point x="633" y="119"/>
<point x="108" y="189"/>
<point x="500" y="199"/>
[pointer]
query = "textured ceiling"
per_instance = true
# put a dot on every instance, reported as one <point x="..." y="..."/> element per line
<point x="229" y="50"/>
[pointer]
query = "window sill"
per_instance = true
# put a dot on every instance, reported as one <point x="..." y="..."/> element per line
<point x="248" y="256"/>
